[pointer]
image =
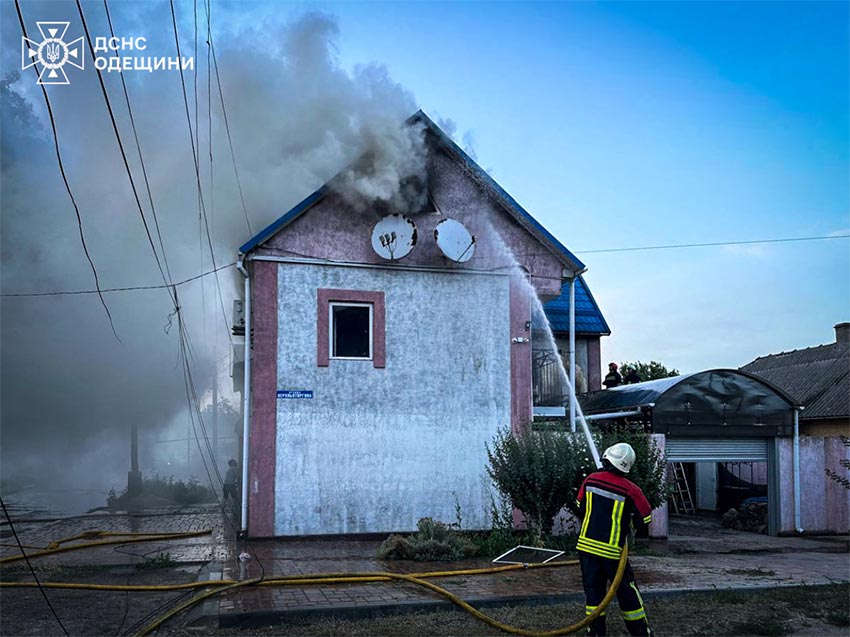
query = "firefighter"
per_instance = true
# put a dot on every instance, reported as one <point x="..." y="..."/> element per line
<point x="609" y="505"/>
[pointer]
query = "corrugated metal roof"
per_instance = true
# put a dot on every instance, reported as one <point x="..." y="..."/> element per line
<point x="510" y="204"/>
<point x="589" y="319"/>
<point x="629" y="396"/>
<point x="817" y="377"/>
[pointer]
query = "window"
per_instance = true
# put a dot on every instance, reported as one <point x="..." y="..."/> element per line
<point x="351" y="325"/>
<point x="351" y="330"/>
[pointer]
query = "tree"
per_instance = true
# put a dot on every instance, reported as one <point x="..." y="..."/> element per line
<point x="652" y="370"/>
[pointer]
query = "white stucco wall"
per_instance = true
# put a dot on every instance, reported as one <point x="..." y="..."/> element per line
<point x="377" y="449"/>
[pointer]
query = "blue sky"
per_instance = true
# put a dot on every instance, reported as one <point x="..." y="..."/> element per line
<point x="616" y="125"/>
<point x="634" y="124"/>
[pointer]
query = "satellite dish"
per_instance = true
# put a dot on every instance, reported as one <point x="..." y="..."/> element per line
<point x="393" y="237"/>
<point x="454" y="240"/>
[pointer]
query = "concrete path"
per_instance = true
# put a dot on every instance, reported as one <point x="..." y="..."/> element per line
<point x="700" y="555"/>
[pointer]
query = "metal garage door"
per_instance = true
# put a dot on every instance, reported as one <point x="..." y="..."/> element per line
<point x="717" y="450"/>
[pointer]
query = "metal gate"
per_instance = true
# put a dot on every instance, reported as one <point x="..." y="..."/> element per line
<point x="717" y="450"/>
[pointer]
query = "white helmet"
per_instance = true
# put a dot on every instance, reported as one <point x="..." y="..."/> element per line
<point x="621" y="455"/>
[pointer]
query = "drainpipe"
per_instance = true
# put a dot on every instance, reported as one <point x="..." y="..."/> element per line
<point x="246" y="395"/>
<point x="798" y="514"/>
<point x="573" y="353"/>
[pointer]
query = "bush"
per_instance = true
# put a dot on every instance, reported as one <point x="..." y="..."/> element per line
<point x="162" y="491"/>
<point x="432" y="541"/>
<point x="536" y="472"/>
<point x="541" y="472"/>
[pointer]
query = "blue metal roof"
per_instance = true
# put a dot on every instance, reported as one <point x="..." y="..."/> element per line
<point x="271" y="229"/>
<point x="520" y="213"/>
<point x="589" y="319"/>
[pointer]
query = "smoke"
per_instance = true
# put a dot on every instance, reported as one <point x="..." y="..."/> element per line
<point x="297" y="117"/>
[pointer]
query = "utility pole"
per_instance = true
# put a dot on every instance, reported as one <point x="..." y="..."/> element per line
<point x="134" y="476"/>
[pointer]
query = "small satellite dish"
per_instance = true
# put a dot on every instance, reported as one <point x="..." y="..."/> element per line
<point x="454" y="240"/>
<point x="393" y="237"/>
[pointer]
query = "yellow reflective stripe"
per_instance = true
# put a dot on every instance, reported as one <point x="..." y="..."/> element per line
<point x="634" y="615"/>
<point x="616" y="514"/>
<point x="648" y="519"/>
<point x="602" y="545"/>
<point x="589" y="497"/>
<point x="602" y="550"/>
<point x="588" y="610"/>
<point x="598" y="553"/>
<point x="637" y="592"/>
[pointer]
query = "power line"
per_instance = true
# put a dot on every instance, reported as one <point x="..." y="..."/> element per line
<point x="716" y="243"/>
<point x="121" y="148"/>
<point x="197" y="167"/>
<point x="307" y="256"/>
<point x="229" y="138"/>
<point x="139" y="148"/>
<point x="124" y="289"/>
<point x="68" y="187"/>
<point x="32" y="570"/>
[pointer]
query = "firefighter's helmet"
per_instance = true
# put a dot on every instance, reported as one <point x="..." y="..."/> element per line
<point x="621" y="455"/>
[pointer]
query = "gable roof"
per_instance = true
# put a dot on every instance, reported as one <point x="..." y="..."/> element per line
<point x="520" y="214"/>
<point x="817" y="377"/>
<point x="589" y="319"/>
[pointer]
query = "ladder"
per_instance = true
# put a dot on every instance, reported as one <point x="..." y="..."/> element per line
<point x="680" y="491"/>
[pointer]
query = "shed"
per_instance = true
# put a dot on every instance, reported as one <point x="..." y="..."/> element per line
<point x="709" y="417"/>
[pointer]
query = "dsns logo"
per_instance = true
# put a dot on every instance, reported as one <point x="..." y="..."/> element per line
<point x="52" y="53"/>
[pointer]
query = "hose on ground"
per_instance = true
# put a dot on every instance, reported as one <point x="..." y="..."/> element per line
<point x="287" y="580"/>
<point x="54" y="547"/>
<point x="514" y="630"/>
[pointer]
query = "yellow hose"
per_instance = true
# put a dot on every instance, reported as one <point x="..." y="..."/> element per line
<point x="302" y="580"/>
<point x="54" y="547"/>
<point x="621" y="567"/>
<point x="285" y="580"/>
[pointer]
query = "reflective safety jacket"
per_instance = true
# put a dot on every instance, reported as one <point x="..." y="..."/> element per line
<point x="609" y="505"/>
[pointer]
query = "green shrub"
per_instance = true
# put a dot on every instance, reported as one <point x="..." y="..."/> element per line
<point x="160" y="490"/>
<point x="433" y="541"/>
<point x="540" y="472"/>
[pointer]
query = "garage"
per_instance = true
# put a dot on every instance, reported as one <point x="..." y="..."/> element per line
<point x="720" y="430"/>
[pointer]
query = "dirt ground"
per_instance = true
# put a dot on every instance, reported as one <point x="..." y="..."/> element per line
<point x="24" y="612"/>
<point x="822" y="611"/>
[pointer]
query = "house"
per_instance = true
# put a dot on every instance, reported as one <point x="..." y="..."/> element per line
<point x="589" y="326"/>
<point x="819" y="380"/>
<point x="385" y="349"/>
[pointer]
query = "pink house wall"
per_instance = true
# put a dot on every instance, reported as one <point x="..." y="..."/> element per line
<point x="333" y="230"/>
<point x="825" y="504"/>
<point x="261" y="471"/>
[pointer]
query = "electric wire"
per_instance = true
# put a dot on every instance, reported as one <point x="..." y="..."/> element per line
<point x="29" y="565"/>
<point x="121" y="148"/>
<point x="229" y="138"/>
<point x="715" y="243"/>
<point x="139" y="149"/>
<point x="98" y="290"/>
<point x="133" y="288"/>
<point x="196" y="165"/>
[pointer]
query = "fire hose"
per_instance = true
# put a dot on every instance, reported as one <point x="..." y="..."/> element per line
<point x="300" y="580"/>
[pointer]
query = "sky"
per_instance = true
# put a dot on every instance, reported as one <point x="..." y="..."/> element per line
<point x="616" y="125"/>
